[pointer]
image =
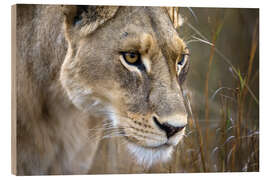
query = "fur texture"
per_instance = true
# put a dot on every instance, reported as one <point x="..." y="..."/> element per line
<point x="71" y="79"/>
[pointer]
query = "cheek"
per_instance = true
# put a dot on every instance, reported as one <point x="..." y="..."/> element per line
<point x="135" y="91"/>
<point x="96" y="62"/>
<point x="128" y="80"/>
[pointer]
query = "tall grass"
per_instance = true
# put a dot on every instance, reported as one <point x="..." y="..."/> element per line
<point x="233" y="145"/>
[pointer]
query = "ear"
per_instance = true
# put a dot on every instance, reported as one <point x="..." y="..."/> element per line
<point x="82" y="20"/>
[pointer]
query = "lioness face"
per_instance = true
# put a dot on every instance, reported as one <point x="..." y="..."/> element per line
<point x="131" y="68"/>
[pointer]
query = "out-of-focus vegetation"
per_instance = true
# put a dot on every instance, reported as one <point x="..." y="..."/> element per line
<point x="222" y="93"/>
<point x="223" y="134"/>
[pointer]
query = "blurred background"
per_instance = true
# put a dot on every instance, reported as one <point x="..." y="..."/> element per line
<point x="223" y="90"/>
<point x="222" y="95"/>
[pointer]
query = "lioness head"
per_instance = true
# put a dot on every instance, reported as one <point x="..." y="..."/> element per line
<point x="129" y="64"/>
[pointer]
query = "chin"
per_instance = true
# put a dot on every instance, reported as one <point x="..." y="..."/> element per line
<point x="148" y="156"/>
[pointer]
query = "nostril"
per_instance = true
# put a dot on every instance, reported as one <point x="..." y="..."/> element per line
<point x="157" y="122"/>
<point x="169" y="129"/>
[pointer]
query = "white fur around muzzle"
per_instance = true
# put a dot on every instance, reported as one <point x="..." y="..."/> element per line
<point x="149" y="156"/>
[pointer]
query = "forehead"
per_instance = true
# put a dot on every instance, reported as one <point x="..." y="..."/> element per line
<point x="150" y="20"/>
<point x="131" y="22"/>
<point x="144" y="17"/>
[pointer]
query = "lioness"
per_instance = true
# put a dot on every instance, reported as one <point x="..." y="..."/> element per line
<point x="84" y="73"/>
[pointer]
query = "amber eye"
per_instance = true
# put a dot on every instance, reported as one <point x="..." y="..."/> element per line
<point x="131" y="57"/>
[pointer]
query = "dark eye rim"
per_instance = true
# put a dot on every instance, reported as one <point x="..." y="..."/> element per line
<point x="184" y="56"/>
<point x="184" y="63"/>
<point x="139" y="64"/>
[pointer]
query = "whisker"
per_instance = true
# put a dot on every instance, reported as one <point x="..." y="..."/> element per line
<point x="193" y="14"/>
<point x="203" y="41"/>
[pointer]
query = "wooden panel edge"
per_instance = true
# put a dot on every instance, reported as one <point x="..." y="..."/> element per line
<point x="13" y="92"/>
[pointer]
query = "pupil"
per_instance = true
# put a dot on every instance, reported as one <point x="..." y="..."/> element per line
<point x="182" y="60"/>
<point x="132" y="55"/>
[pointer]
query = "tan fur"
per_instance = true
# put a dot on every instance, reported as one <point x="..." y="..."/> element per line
<point x="70" y="80"/>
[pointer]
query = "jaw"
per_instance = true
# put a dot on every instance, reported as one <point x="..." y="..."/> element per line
<point x="147" y="156"/>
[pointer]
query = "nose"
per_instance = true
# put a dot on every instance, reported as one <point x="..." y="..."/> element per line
<point x="168" y="128"/>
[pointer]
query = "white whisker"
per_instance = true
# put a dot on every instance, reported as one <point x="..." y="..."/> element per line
<point x="204" y="41"/>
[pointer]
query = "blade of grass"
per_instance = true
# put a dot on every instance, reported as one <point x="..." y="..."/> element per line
<point x="226" y="59"/>
<point x="199" y="132"/>
<point x="214" y="38"/>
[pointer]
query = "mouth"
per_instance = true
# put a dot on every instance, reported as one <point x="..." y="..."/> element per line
<point x="148" y="156"/>
<point x="161" y="146"/>
<point x="149" y="152"/>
